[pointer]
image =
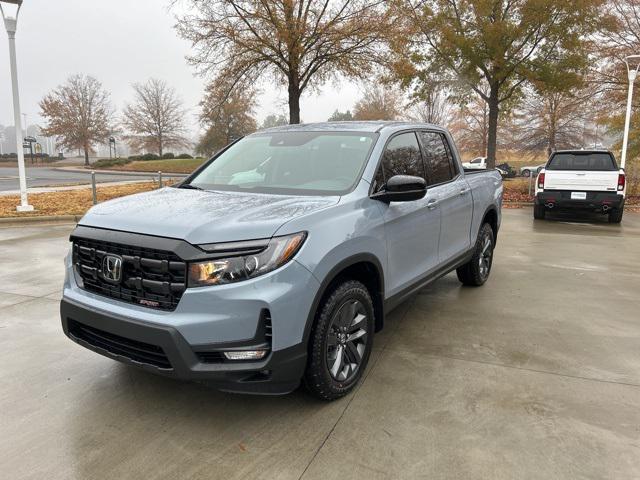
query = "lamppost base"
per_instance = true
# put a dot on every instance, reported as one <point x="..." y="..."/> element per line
<point x="25" y="208"/>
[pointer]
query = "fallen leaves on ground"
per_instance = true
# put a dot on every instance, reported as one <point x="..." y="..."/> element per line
<point x="68" y="202"/>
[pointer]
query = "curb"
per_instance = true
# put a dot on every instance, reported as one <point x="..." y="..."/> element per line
<point x="38" y="219"/>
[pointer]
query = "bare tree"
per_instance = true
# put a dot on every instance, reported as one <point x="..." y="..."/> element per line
<point x="470" y="126"/>
<point x="622" y="39"/>
<point x="77" y="113"/>
<point x="155" y="120"/>
<point x="227" y="117"/>
<point x="551" y="119"/>
<point x="379" y="103"/>
<point x="432" y="106"/>
<point x="301" y="43"/>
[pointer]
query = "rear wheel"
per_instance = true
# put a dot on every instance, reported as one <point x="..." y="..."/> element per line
<point x="341" y="341"/>
<point x="615" y="215"/>
<point x="539" y="212"/>
<point x="476" y="272"/>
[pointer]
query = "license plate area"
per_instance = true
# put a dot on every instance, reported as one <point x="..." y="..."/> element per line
<point x="578" y="195"/>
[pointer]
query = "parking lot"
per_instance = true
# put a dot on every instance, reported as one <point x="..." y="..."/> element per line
<point x="534" y="375"/>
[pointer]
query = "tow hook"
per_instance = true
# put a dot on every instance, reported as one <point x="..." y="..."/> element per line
<point x="606" y="208"/>
<point x="550" y="205"/>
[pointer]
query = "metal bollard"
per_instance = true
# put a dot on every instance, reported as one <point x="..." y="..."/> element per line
<point x="93" y="187"/>
<point x="160" y="179"/>
<point x="530" y="182"/>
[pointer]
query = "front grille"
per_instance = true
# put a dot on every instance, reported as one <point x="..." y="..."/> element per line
<point x="132" y="349"/>
<point x="153" y="278"/>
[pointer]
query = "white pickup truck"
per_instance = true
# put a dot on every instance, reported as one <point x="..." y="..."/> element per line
<point x="581" y="179"/>
<point x="478" y="163"/>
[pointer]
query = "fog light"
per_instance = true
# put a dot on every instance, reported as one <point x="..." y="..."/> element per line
<point x="246" y="355"/>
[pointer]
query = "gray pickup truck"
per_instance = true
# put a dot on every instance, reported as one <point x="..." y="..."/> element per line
<point x="278" y="259"/>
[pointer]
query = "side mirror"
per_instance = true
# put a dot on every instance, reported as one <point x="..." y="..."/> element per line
<point x="402" y="188"/>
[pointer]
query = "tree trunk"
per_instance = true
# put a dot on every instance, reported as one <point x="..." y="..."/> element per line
<point x="86" y="154"/>
<point x="484" y="130"/>
<point x="294" y="101"/>
<point x="552" y="131"/>
<point x="492" y="140"/>
<point x="160" y="145"/>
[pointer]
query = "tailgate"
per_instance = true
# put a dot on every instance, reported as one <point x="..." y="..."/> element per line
<point x="593" y="181"/>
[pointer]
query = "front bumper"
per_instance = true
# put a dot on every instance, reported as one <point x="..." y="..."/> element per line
<point x="206" y="322"/>
<point x="595" y="201"/>
<point x="163" y="350"/>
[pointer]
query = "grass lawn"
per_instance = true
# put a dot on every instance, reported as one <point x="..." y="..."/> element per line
<point x="69" y="202"/>
<point x="164" y="166"/>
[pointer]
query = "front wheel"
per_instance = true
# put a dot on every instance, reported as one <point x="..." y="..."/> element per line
<point x="476" y="272"/>
<point x="526" y="173"/>
<point x="341" y="341"/>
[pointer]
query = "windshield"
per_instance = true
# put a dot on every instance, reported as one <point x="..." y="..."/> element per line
<point x="582" y="161"/>
<point x="304" y="163"/>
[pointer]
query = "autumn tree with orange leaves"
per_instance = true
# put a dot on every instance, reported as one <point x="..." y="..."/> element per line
<point x="499" y="43"/>
<point x="77" y="113"/>
<point x="301" y="44"/>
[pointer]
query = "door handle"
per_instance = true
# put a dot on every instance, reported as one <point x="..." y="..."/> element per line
<point x="432" y="204"/>
<point x="464" y="191"/>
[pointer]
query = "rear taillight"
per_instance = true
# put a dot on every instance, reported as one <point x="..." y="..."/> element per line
<point x="541" y="180"/>
<point x="621" y="182"/>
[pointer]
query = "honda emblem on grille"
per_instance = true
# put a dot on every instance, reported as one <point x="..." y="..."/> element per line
<point x="112" y="268"/>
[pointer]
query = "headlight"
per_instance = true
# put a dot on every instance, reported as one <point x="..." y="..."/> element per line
<point x="239" y="267"/>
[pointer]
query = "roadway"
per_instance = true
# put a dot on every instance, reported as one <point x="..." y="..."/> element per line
<point x="49" y="177"/>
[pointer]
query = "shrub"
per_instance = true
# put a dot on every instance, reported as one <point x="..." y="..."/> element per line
<point x="111" y="162"/>
<point x="168" y="156"/>
<point x="146" y="156"/>
<point x="184" y="156"/>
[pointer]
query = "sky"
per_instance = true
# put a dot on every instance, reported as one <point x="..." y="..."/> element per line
<point x="121" y="42"/>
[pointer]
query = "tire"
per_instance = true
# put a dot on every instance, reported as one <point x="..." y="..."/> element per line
<point x="539" y="212"/>
<point x="526" y="173"/>
<point x="335" y="364"/>
<point x="476" y="272"/>
<point x="615" y="215"/>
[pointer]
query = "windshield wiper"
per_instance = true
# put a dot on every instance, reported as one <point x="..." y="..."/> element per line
<point x="189" y="186"/>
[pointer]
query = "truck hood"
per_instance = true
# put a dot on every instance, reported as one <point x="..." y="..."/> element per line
<point x="203" y="216"/>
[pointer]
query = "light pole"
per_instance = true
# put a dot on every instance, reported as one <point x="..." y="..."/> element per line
<point x="11" y="24"/>
<point x="633" y="73"/>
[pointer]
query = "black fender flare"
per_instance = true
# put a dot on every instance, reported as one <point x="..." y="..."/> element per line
<point x="333" y="274"/>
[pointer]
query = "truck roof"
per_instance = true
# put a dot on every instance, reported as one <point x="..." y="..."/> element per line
<point x="579" y="151"/>
<point x="368" y="126"/>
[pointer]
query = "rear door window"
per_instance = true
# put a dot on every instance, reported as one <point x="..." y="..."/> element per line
<point x="401" y="157"/>
<point x="438" y="157"/>
<point x="598" y="161"/>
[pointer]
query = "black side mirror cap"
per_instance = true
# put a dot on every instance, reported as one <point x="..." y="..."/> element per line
<point x="402" y="188"/>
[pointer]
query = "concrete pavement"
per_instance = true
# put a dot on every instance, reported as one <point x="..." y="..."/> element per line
<point x="534" y="375"/>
